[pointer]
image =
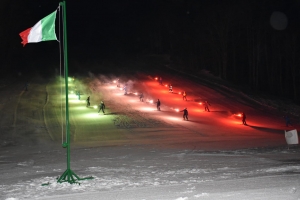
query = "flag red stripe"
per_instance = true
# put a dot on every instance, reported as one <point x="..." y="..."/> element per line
<point x="24" y="36"/>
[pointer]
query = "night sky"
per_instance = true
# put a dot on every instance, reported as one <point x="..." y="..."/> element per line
<point x="253" y="43"/>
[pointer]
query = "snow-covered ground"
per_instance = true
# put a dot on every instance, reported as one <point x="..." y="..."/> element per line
<point x="136" y="152"/>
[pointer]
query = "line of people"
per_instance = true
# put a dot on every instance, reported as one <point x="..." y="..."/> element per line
<point x="184" y="97"/>
<point x="101" y="105"/>
<point x="185" y="111"/>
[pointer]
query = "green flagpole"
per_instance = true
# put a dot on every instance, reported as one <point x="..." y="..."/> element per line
<point x="68" y="176"/>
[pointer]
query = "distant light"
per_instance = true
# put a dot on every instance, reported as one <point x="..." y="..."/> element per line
<point x="155" y="78"/>
<point x="238" y="115"/>
<point x="114" y="81"/>
<point x="176" y="109"/>
<point x="135" y="93"/>
<point x="95" y="106"/>
<point x="150" y="101"/>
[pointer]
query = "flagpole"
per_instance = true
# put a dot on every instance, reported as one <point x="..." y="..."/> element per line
<point x="68" y="176"/>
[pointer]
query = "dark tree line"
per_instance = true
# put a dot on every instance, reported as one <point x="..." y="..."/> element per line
<point x="232" y="39"/>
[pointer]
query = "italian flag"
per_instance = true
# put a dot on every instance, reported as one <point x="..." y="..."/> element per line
<point x="44" y="30"/>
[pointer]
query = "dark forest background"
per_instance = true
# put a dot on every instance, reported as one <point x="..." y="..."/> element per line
<point x="251" y="43"/>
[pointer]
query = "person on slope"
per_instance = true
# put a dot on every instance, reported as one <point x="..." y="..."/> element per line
<point x="125" y="90"/>
<point x="184" y="96"/>
<point x="170" y="88"/>
<point x="142" y="97"/>
<point x="185" y="114"/>
<point x="206" y="104"/>
<point x="160" y="81"/>
<point x="158" y="104"/>
<point x="102" y="107"/>
<point x="244" y="118"/>
<point x="287" y="120"/>
<point x="88" y="101"/>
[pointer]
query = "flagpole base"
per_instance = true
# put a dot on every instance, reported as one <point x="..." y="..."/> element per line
<point x="70" y="177"/>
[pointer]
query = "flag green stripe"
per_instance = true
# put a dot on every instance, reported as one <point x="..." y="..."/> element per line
<point x="48" y="27"/>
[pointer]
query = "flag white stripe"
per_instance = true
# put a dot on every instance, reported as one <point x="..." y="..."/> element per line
<point x="35" y="34"/>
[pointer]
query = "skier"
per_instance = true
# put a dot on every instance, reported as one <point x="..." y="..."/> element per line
<point x="185" y="114"/>
<point x="206" y="104"/>
<point x="88" y="101"/>
<point x="125" y="89"/>
<point x="244" y="118"/>
<point x="102" y="107"/>
<point x="170" y="88"/>
<point x="287" y="120"/>
<point x="78" y="95"/>
<point x="160" y="80"/>
<point x="118" y="83"/>
<point x="184" y="95"/>
<point x="158" y="104"/>
<point x="142" y="97"/>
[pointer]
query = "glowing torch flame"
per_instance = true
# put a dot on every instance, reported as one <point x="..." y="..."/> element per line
<point x="166" y="85"/>
<point x="115" y="81"/>
<point x="179" y="92"/>
<point x="151" y="101"/>
<point x="135" y="93"/>
<point x="155" y="78"/>
<point x="200" y="103"/>
<point x="176" y="109"/>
